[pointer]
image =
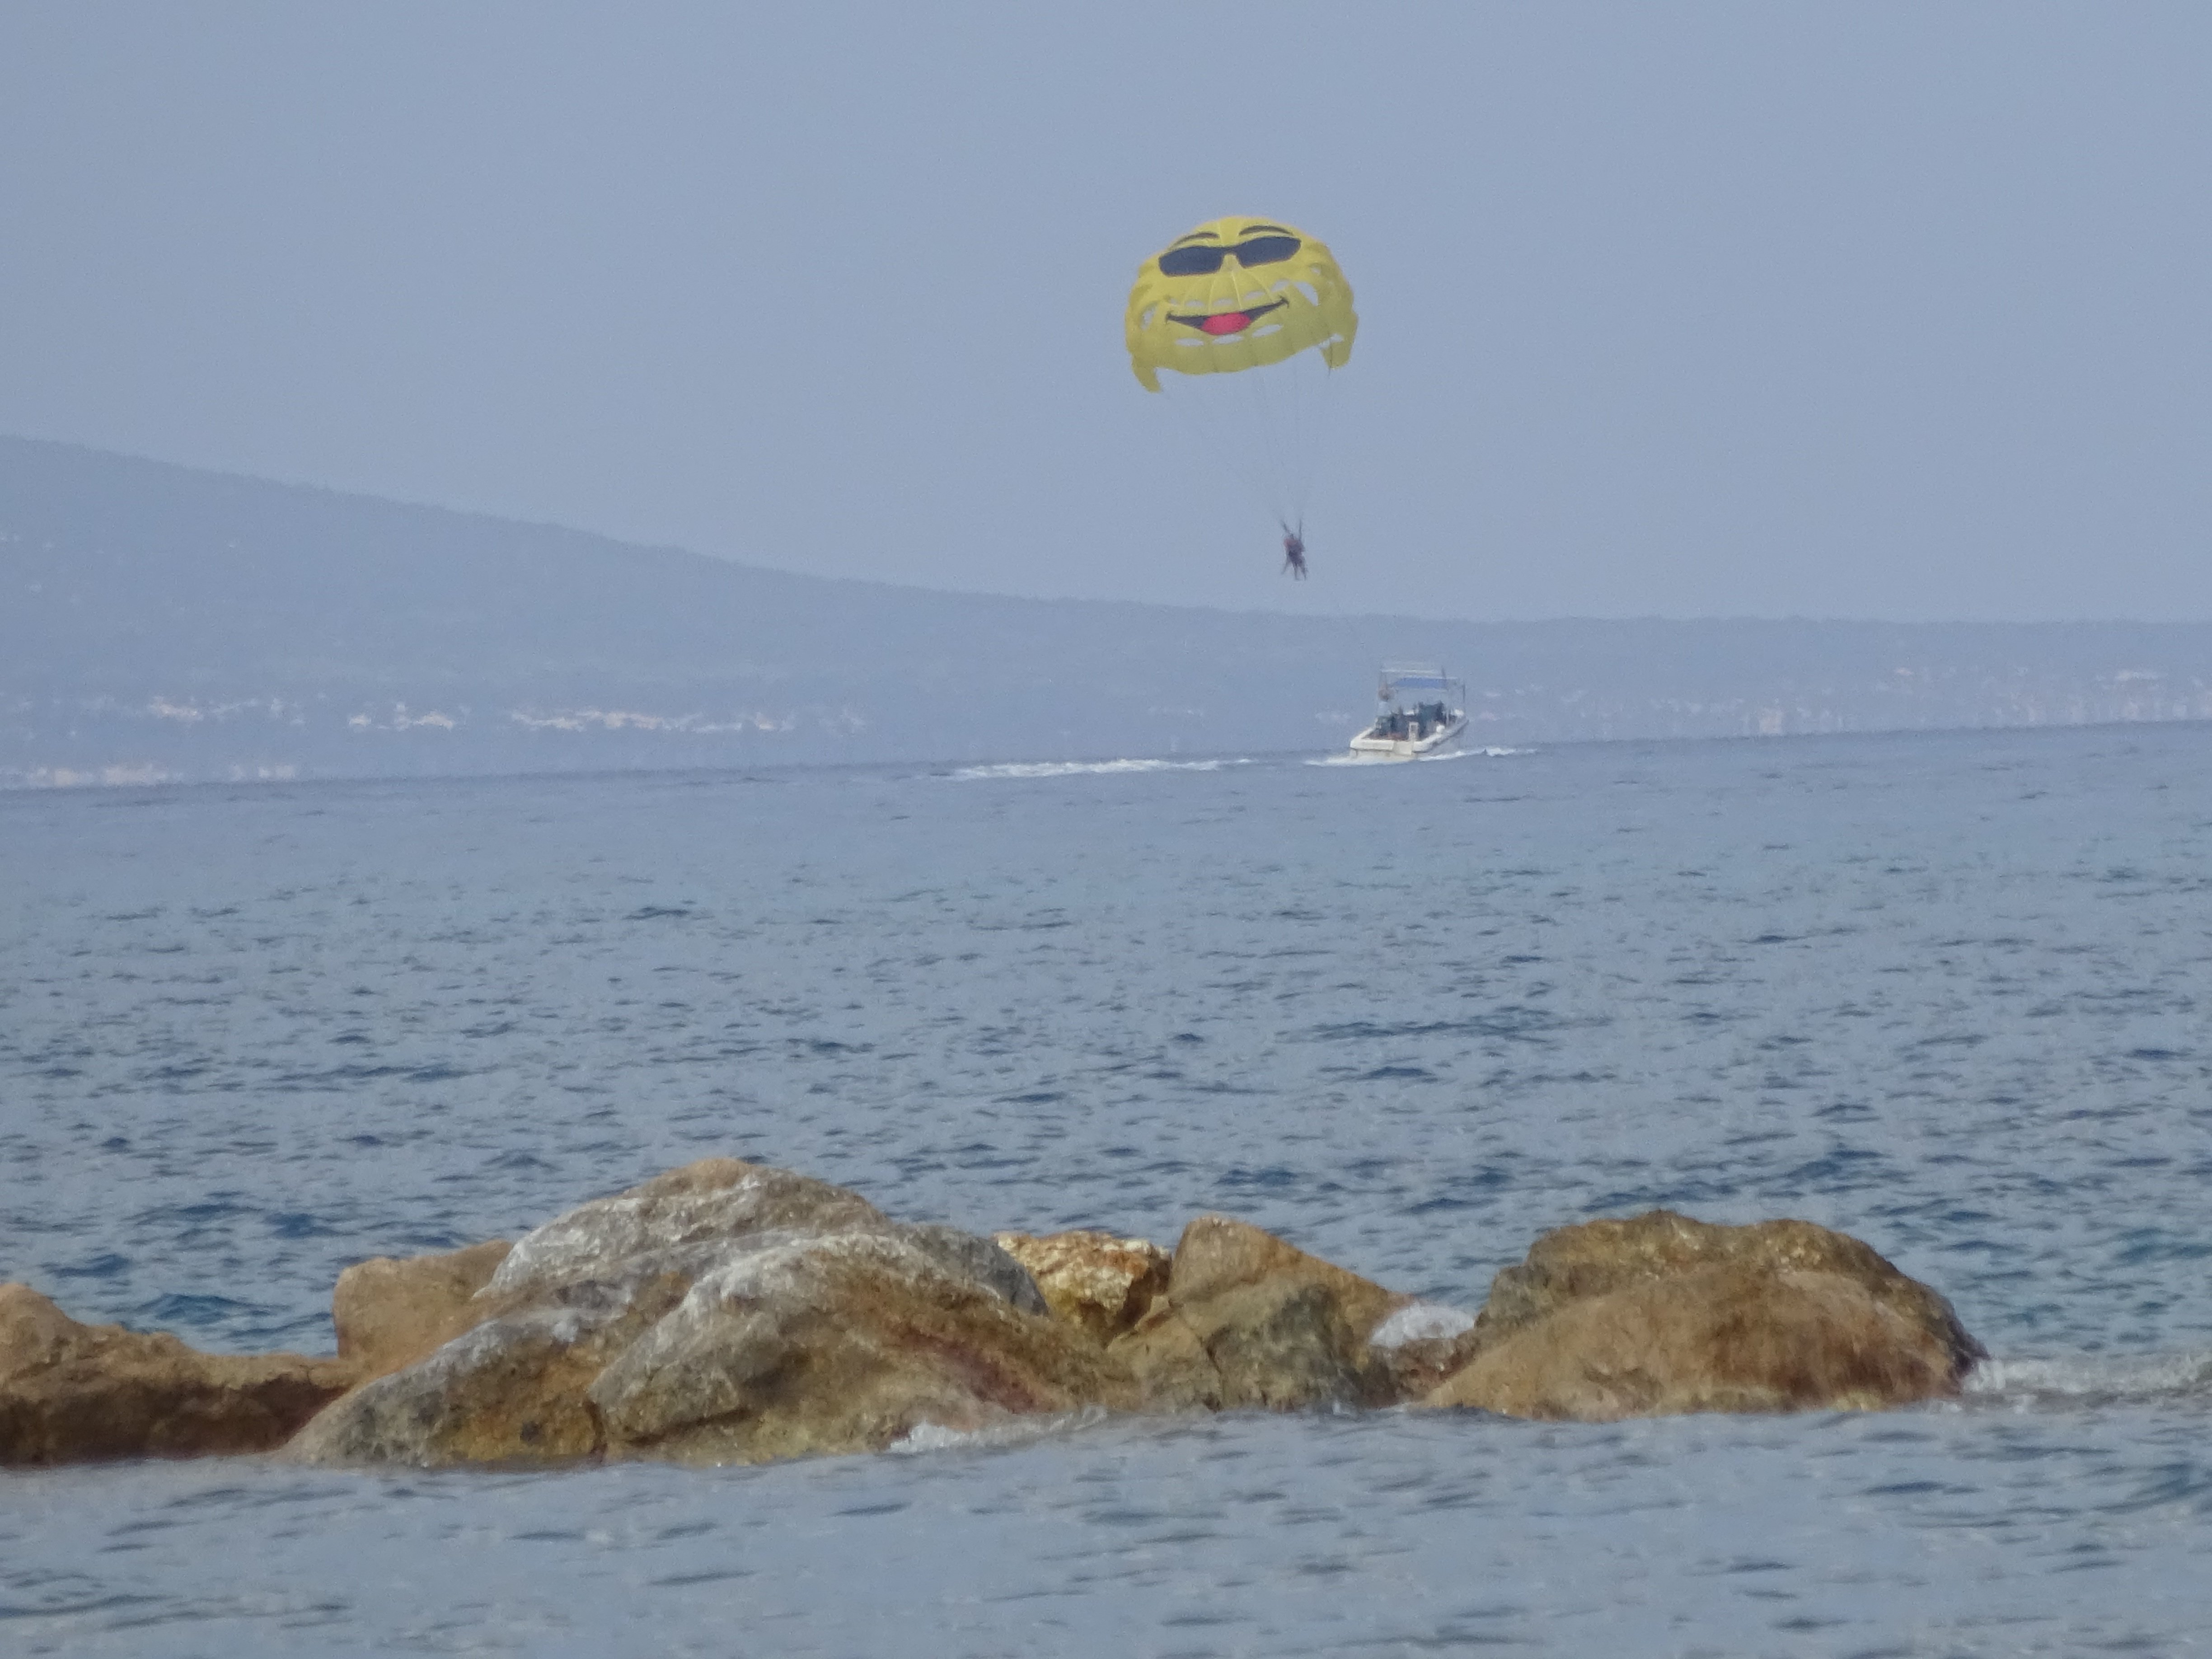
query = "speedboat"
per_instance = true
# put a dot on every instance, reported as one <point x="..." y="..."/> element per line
<point x="1410" y="724"/>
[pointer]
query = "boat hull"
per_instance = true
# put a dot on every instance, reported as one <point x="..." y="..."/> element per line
<point x="1366" y="748"/>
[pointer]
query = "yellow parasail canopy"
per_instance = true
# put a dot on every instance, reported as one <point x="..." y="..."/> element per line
<point x="1237" y="293"/>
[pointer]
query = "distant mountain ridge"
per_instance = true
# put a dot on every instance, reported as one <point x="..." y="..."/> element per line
<point x="157" y="621"/>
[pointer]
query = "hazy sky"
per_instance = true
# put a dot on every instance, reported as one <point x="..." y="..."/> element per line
<point x="1836" y="310"/>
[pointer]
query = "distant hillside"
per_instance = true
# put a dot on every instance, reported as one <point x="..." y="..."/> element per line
<point x="156" y="621"/>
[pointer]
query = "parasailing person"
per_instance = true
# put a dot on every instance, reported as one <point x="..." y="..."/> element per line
<point x="1251" y="318"/>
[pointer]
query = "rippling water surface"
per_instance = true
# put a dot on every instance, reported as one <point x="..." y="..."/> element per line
<point x="1947" y="992"/>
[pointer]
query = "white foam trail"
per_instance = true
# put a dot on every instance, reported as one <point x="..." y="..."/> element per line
<point x="1074" y="769"/>
<point x="1452" y="755"/>
<point x="1474" y="754"/>
<point x="2091" y="1379"/>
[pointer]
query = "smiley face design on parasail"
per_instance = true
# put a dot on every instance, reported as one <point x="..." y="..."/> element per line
<point x="1237" y="294"/>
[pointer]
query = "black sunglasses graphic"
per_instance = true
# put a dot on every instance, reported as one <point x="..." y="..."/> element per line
<point x="1204" y="261"/>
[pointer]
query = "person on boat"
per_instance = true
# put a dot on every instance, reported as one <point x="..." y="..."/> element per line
<point x="1294" y="553"/>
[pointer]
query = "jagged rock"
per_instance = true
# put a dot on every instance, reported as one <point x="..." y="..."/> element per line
<point x="703" y="1204"/>
<point x="390" y="1312"/>
<point x="725" y="1312"/>
<point x="1662" y="1313"/>
<point x="71" y="1393"/>
<point x="1727" y="1338"/>
<point x="1570" y="1264"/>
<point x="840" y="1343"/>
<point x="1419" y="1345"/>
<point x="1093" y="1280"/>
<point x="511" y="1389"/>
<point x="1250" y="1320"/>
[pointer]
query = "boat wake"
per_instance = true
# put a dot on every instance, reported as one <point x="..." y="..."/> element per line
<point x="1416" y="760"/>
<point x="1078" y="768"/>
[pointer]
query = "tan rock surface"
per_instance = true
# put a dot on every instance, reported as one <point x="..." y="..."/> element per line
<point x="1095" y="1280"/>
<point x="1572" y="1263"/>
<point x="1661" y="1314"/>
<point x="511" y="1389"/>
<point x="72" y="1392"/>
<point x="1721" y="1339"/>
<point x="1167" y="1357"/>
<point x="1250" y="1320"/>
<point x="390" y="1312"/>
<point x="702" y="1204"/>
<point x="841" y="1343"/>
<point x="725" y="1312"/>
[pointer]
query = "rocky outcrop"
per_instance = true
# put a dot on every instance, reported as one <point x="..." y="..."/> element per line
<point x="1250" y="1320"/>
<point x="1095" y="1280"/>
<point x="1572" y="1264"/>
<point x="389" y="1313"/>
<point x="727" y="1312"/>
<point x="72" y="1392"/>
<point x="1663" y="1314"/>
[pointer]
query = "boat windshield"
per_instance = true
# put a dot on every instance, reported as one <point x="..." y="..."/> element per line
<point x="1408" y="716"/>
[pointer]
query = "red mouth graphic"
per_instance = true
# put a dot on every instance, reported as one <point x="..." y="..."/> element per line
<point x="1227" y="322"/>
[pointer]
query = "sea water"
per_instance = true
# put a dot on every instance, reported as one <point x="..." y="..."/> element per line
<point x="1946" y="992"/>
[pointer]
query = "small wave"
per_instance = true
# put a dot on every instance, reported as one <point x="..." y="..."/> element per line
<point x="1074" y="769"/>
<point x="936" y="1438"/>
<point x="1421" y="1322"/>
<point x="2091" y="1380"/>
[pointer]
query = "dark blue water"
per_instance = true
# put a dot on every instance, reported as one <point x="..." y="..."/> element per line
<point x="1947" y="992"/>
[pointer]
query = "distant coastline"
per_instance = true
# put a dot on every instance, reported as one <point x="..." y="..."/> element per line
<point x="167" y="624"/>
